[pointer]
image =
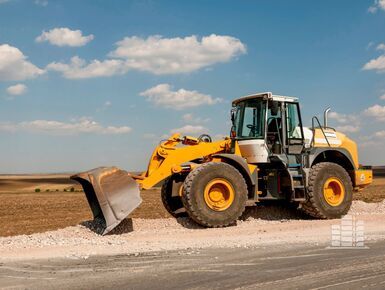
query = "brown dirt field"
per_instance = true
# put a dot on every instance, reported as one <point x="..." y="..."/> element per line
<point x="373" y="193"/>
<point x="28" y="183"/>
<point x="26" y="212"/>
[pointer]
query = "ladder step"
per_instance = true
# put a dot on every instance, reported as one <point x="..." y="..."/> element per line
<point x="299" y="199"/>
<point x="294" y="165"/>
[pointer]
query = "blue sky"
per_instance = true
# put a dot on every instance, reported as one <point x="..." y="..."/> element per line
<point x="91" y="83"/>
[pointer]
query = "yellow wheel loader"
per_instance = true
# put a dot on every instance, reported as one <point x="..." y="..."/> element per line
<point x="269" y="155"/>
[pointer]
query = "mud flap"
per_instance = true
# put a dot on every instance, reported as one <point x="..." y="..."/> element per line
<point x="111" y="193"/>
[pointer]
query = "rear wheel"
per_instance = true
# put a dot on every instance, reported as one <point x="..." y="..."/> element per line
<point x="330" y="191"/>
<point x="214" y="194"/>
<point x="173" y="204"/>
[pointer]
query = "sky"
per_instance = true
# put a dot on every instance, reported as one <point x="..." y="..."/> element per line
<point x="99" y="83"/>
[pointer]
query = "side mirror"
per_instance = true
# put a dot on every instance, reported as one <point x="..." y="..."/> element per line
<point x="274" y="108"/>
<point x="232" y="112"/>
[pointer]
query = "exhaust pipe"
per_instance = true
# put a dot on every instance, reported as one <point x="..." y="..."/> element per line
<point x="326" y="117"/>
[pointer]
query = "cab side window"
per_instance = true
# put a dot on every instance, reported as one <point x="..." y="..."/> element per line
<point x="293" y="122"/>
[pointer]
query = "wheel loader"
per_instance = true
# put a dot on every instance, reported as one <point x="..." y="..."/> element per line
<point x="269" y="155"/>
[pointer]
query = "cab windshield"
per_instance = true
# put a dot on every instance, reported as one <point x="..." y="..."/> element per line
<point x="250" y="119"/>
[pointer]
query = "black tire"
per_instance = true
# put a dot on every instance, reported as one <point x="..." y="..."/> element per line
<point x="316" y="204"/>
<point x="193" y="194"/>
<point x="173" y="204"/>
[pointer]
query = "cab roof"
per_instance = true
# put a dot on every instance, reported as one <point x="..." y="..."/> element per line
<point x="267" y="96"/>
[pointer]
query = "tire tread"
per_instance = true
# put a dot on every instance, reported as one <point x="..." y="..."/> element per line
<point x="187" y="201"/>
<point x="310" y="206"/>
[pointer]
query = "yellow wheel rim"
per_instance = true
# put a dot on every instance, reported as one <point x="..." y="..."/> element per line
<point x="219" y="194"/>
<point x="334" y="191"/>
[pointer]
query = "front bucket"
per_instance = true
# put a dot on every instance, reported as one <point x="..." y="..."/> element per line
<point x="111" y="193"/>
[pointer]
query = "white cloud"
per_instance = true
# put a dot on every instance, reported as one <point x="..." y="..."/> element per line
<point x="376" y="111"/>
<point x="80" y="126"/>
<point x="162" y="95"/>
<point x="14" y="65"/>
<point x="193" y="128"/>
<point x="156" y="55"/>
<point x="370" y="44"/>
<point x="380" y="134"/>
<point x="377" y="64"/>
<point x="382" y="97"/>
<point x="160" y="55"/>
<point x="372" y="9"/>
<point x="348" y="123"/>
<point x="104" y="107"/>
<point x="375" y="139"/>
<point x="378" y="4"/>
<point x="190" y="129"/>
<point x="342" y="118"/>
<point x="17" y="90"/>
<point x="79" y="69"/>
<point x="348" y="129"/>
<point x="41" y="2"/>
<point x="189" y="117"/>
<point x="381" y="4"/>
<point x="381" y="46"/>
<point x="149" y="136"/>
<point x="352" y="123"/>
<point x="64" y="37"/>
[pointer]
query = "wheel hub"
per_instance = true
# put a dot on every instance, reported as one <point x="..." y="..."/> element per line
<point x="219" y="194"/>
<point x="333" y="191"/>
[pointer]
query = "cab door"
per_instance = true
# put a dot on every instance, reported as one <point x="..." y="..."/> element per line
<point x="294" y="129"/>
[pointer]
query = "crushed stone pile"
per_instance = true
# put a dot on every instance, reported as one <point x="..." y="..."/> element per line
<point x="262" y="224"/>
<point x="360" y="207"/>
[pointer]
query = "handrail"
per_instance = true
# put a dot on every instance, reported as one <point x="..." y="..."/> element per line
<point x="279" y="139"/>
<point x="313" y="128"/>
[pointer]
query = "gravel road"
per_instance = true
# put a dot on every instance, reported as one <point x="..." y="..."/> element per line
<point x="262" y="226"/>
<point x="283" y="266"/>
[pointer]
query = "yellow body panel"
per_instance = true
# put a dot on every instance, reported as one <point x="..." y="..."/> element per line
<point x="237" y="151"/>
<point x="362" y="177"/>
<point x="336" y="140"/>
<point x="167" y="158"/>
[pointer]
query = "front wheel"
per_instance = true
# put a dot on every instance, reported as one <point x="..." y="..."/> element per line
<point x="214" y="194"/>
<point x="330" y="191"/>
<point x="173" y="204"/>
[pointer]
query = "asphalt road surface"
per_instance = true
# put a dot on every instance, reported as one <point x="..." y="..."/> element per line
<point x="280" y="267"/>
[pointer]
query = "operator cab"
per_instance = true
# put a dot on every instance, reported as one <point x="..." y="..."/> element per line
<point x="267" y="125"/>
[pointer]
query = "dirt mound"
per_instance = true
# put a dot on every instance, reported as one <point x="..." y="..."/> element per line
<point x="360" y="207"/>
<point x="140" y="234"/>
